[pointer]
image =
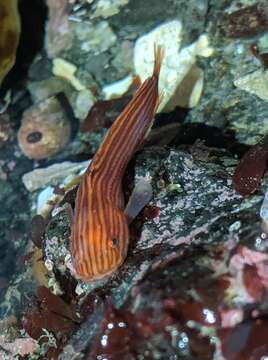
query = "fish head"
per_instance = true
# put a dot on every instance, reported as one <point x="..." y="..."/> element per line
<point x="102" y="245"/>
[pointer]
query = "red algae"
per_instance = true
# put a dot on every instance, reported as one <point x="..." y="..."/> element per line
<point x="250" y="170"/>
<point x="150" y="212"/>
<point x="103" y="113"/>
<point x="115" y="337"/>
<point x="250" y="267"/>
<point x="247" y="22"/>
<point x="247" y="341"/>
<point x="206" y="310"/>
<point x="53" y="303"/>
<point x="124" y="335"/>
<point x="254" y="287"/>
<point x="37" y="229"/>
<point x="182" y="313"/>
<point x="51" y="313"/>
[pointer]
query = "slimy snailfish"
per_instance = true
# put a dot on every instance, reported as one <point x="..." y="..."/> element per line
<point x="100" y="234"/>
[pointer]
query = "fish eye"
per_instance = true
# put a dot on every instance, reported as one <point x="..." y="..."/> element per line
<point x="114" y="241"/>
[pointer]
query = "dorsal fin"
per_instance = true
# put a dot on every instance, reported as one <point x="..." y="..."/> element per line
<point x="158" y="59"/>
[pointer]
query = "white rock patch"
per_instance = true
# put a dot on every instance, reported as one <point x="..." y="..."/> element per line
<point x="255" y="83"/>
<point x="107" y="8"/>
<point x="177" y="63"/>
<point x="118" y="88"/>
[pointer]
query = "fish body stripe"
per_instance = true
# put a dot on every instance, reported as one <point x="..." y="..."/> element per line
<point x="100" y="235"/>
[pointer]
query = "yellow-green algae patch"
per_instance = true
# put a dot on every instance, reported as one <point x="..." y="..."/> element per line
<point x="9" y="35"/>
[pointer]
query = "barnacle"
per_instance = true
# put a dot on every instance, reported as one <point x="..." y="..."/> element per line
<point x="9" y="35"/>
<point x="45" y="129"/>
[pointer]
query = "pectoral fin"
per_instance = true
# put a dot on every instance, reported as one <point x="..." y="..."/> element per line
<point x="140" y="196"/>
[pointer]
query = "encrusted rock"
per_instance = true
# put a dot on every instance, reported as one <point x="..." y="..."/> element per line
<point x="176" y="223"/>
<point x="255" y="83"/>
<point x="59" y="33"/>
<point x="96" y="39"/>
<point x="83" y="103"/>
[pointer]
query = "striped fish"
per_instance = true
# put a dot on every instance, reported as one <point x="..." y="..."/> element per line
<point x="100" y="234"/>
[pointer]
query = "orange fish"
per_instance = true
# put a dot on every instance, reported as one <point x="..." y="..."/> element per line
<point x="100" y="234"/>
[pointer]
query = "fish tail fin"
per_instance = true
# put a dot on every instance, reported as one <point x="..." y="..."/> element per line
<point x="158" y="59"/>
